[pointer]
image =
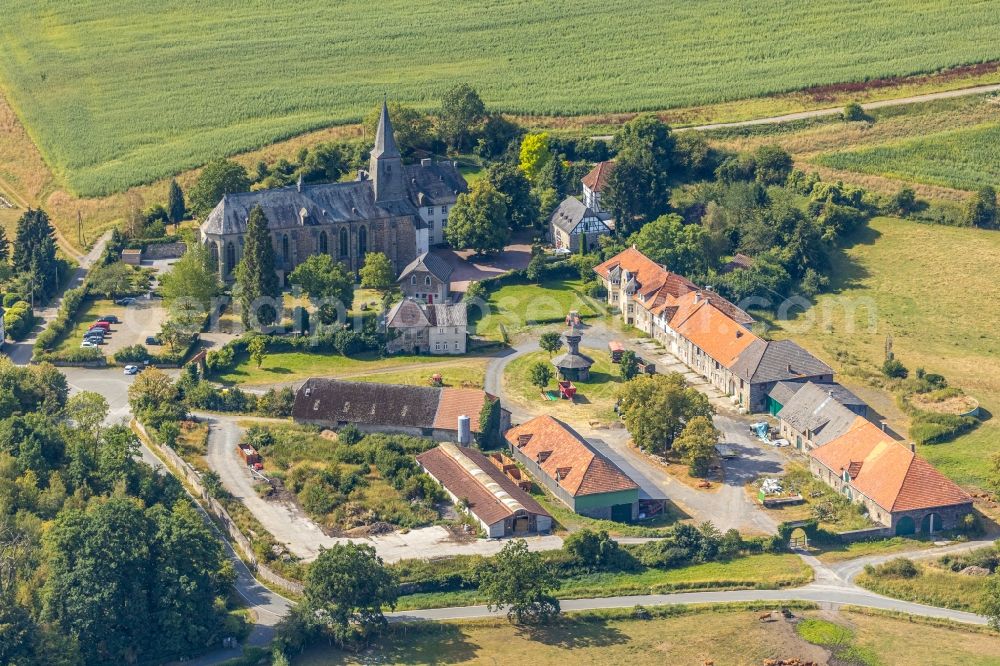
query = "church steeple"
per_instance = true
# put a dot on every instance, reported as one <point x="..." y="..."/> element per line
<point x="386" y="165"/>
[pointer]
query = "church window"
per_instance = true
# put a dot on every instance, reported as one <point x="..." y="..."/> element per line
<point x="413" y="279"/>
<point x="362" y="242"/>
<point x="213" y="256"/>
<point x="323" y="248"/>
<point x="230" y="258"/>
<point x="343" y="242"/>
<point x="427" y="280"/>
<point x="285" y="255"/>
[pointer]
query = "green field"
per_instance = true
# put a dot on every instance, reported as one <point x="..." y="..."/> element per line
<point x="517" y="307"/>
<point x="964" y="159"/>
<point x="117" y="95"/>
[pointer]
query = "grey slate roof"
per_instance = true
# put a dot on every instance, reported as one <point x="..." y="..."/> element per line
<point x="430" y="263"/>
<point x="385" y="138"/>
<point x="366" y="403"/>
<point x="413" y="314"/>
<point x="817" y="408"/>
<point x="777" y="360"/>
<point x="571" y="212"/>
<point x="571" y="361"/>
<point x="332" y="203"/>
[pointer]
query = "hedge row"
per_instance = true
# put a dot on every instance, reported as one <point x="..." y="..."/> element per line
<point x="63" y="323"/>
<point x="18" y="320"/>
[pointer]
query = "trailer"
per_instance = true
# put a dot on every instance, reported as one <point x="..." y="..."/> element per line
<point x="250" y="456"/>
<point x="566" y="390"/>
<point x="616" y="348"/>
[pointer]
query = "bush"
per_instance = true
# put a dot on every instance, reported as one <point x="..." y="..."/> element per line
<point x="349" y="434"/>
<point x="894" y="369"/>
<point x="61" y="325"/>
<point x="11" y="298"/>
<point x="854" y="112"/>
<point x="476" y="290"/>
<point x="222" y="360"/>
<point x="899" y="567"/>
<point x="132" y="354"/>
<point x="931" y="428"/>
<point x="18" y="320"/>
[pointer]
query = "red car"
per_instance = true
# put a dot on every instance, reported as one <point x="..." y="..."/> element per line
<point x="101" y="324"/>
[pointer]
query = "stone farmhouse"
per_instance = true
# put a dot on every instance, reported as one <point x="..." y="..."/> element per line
<point x="417" y="327"/>
<point x="569" y="466"/>
<point x="813" y="414"/>
<point x="899" y="489"/>
<point x="705" y="331"/>
<point x="395" y="208"/>
<point x="426" y="278"/>
<point x="576" y="222"/>
<point x="474" y="482"/>
<point x="422" y="411"/>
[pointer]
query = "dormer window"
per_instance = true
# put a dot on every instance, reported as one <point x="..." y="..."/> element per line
<point x="543" y="456"/>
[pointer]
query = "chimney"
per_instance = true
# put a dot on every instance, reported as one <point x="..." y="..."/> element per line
<point x="425" y="162"/>
<point x="697" y="296"/>
<point x="362" y="174"/>
<point x="790" y="368"/>
<point x="883" y="426"/>
<point x="913" y="447"/>
<point x="298" y="185"/>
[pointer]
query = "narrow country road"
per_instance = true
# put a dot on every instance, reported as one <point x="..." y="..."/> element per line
<point x="824" y="113"/>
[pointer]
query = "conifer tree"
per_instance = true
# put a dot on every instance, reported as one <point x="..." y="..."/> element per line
<point x="255" y="275"/>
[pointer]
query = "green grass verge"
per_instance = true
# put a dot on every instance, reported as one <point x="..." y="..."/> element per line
<point x="964" y="159"/>
<point x="517" y="307"/>
<point x="934" y="587"/>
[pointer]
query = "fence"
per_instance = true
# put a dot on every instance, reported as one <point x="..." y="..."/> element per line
<point x="238" y="539"/>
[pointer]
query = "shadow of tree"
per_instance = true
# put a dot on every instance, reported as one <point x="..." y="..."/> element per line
<point x="573" y="633"/>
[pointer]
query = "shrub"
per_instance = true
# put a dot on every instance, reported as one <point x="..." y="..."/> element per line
<point x="894" y="369"/>
<point x="132" y="354"/>
<point x="854" y="112"/>
<point x="476" y="290"/>
<point x="11" y="298"/>
<point x="349" y="434"/>
<point x="931" y="428"/>
<point x="18" y="320"/>
<point x="899" y="567"/>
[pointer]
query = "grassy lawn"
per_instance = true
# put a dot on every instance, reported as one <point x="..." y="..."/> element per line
<point x="934" y="586"/>
<point x="849" y="551"/>
<point x="91" y="311"/>
<point x="751" y="572"/>
<point x="963" y="159"/>
<point x="295" y="366"/>
<point x="517" y="307"/>
<point x="924" y="285"/>
<point x="729" y="635"/>
<point x="595" y="398"/>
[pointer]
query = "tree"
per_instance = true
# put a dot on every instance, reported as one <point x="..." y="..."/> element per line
<point x="34" y="255"/>
<point x="520" y="581"/>
<point x="4" y="246"/>
<point x="981" y="211"/>
<point x="596" y="550"/>
<point x="628" y="365"/>
<point x="637" y="191"/>
<point x="257" y="349"/>
<point x="191" y="283"/>
<point x="773" y="165"/>
<point x="534" y="155"/>
<point x="522" y="204"/>
<point x="176" y="209"/>
<point x="327" y="283"/>
<point x="657" y="407"/>
<point x="696" y="444"/>
<point x="536" y="268"/>
<point x="854" y="112"/>
<point x="990" y="601"/>
<point x="377" y="272"/>
<point x="550" y="341"/>
<point x="461" y="112"/>
<point x="256" y="279"/>
<point x="112" y="280"/>
<point x="153" y="398"/>
<point x="540" y="374"/>
<point x="478" y="220"/>
<point x="88" y="410"/>
<point x="904" y="201"/>
<point x="217" y="179"/>
<point x="347" y="587"/>
<point x="682" y="248"/>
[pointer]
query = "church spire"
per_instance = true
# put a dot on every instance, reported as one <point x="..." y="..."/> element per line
<point x="385" y="140"/>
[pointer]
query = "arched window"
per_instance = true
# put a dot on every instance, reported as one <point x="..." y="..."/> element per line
<point x="213" y="256"/>
<point x="230" y="258"/>
<point x="322" y="243"/>
<point x="413" y="279"/>
<point x="343" y="242"/>
<point x="427" y="280"/>
<point x="284" y="249"/>
<point x="362" y="242"/>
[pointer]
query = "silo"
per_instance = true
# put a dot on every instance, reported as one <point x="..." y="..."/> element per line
<point x="464" y="430"/>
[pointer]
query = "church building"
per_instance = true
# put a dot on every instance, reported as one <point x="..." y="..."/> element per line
<point x="391" y="208"/>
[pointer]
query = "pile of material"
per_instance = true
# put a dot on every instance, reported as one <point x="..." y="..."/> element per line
<point x="789" y="662"/>
<point x="771" y="486"/>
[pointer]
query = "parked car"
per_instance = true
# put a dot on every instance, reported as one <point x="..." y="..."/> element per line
<point x="131" y="369"/>
<point x="96" y="339"/>
<point x="152" y="340"/>
<point x="111" y="319"/>
<point x="128" y="300"/>
<point x="96" y="330"/>
<point x="101" y="324"/>
<point x="87" y="344"/>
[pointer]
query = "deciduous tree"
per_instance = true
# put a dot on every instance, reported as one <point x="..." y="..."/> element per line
<point x="628" y="366"/>
<point x="522" y="204"/>
<point x="377" y="272"/>
<point x="257" y="349"/>
<point x="534" y="155"/>
<point x="478" y="220"/>
<point x="112" y="280"/>
<point x="696" y="444"/>
<point x="657" y="407"/>
<point x="682" y="248"/>
<point x="550" y="341"/>
<point x="191" y="281"/>
<point x="327" y="283"/>
<point x="462" y="112"/>
<point x="540" y="374"/>
<point x="520" y="581"/>
<point x="217" y="179"/>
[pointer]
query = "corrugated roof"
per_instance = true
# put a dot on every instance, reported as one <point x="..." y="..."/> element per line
<point x="887" y="472"/>
<point x="568" y="458"/>
<point x="469" y="475"/>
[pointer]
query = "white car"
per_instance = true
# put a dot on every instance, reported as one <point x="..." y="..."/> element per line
<point x="131" y="369"/>
<point x="87" y="344"/>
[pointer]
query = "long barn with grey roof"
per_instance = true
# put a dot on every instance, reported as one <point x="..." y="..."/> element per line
<point x="394" y="208"/>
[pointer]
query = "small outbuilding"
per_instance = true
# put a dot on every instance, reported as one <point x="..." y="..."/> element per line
<point x="573" y="365"/>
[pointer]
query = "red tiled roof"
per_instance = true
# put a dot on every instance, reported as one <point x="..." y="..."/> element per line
<point x="597" y="178"/>
<point x="642" y="268"/>
<point x="455" y="402"/>
<point x="886" y="471"/>
<point x="563" y="449"/>
<point x="710" y="330"/>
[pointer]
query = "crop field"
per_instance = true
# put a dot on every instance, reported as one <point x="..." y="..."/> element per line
<point x="121" y="95"/>
<point x="963" y="159"/>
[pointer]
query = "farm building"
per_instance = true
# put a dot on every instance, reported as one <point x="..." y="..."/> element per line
<point x="421" y="411"/>
<point x="898" y="488"/>
<point x="811" y="414"/>
<point x="422" y="328"/>
<point x="705" y="331"/>
<point x="474" y="482"/>
<point x="569" y="466"/>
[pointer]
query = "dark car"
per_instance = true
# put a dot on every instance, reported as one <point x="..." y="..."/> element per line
<point x="96" y="333"/>
<point x="151" y="340"/>
<point x="96" y="339"/>
<point x="110" y="319"/>
<point x="128" y="300"/>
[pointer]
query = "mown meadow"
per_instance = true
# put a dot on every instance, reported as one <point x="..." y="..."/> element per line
<point x="963" y="159"/>
<point x="118" y="95"/>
